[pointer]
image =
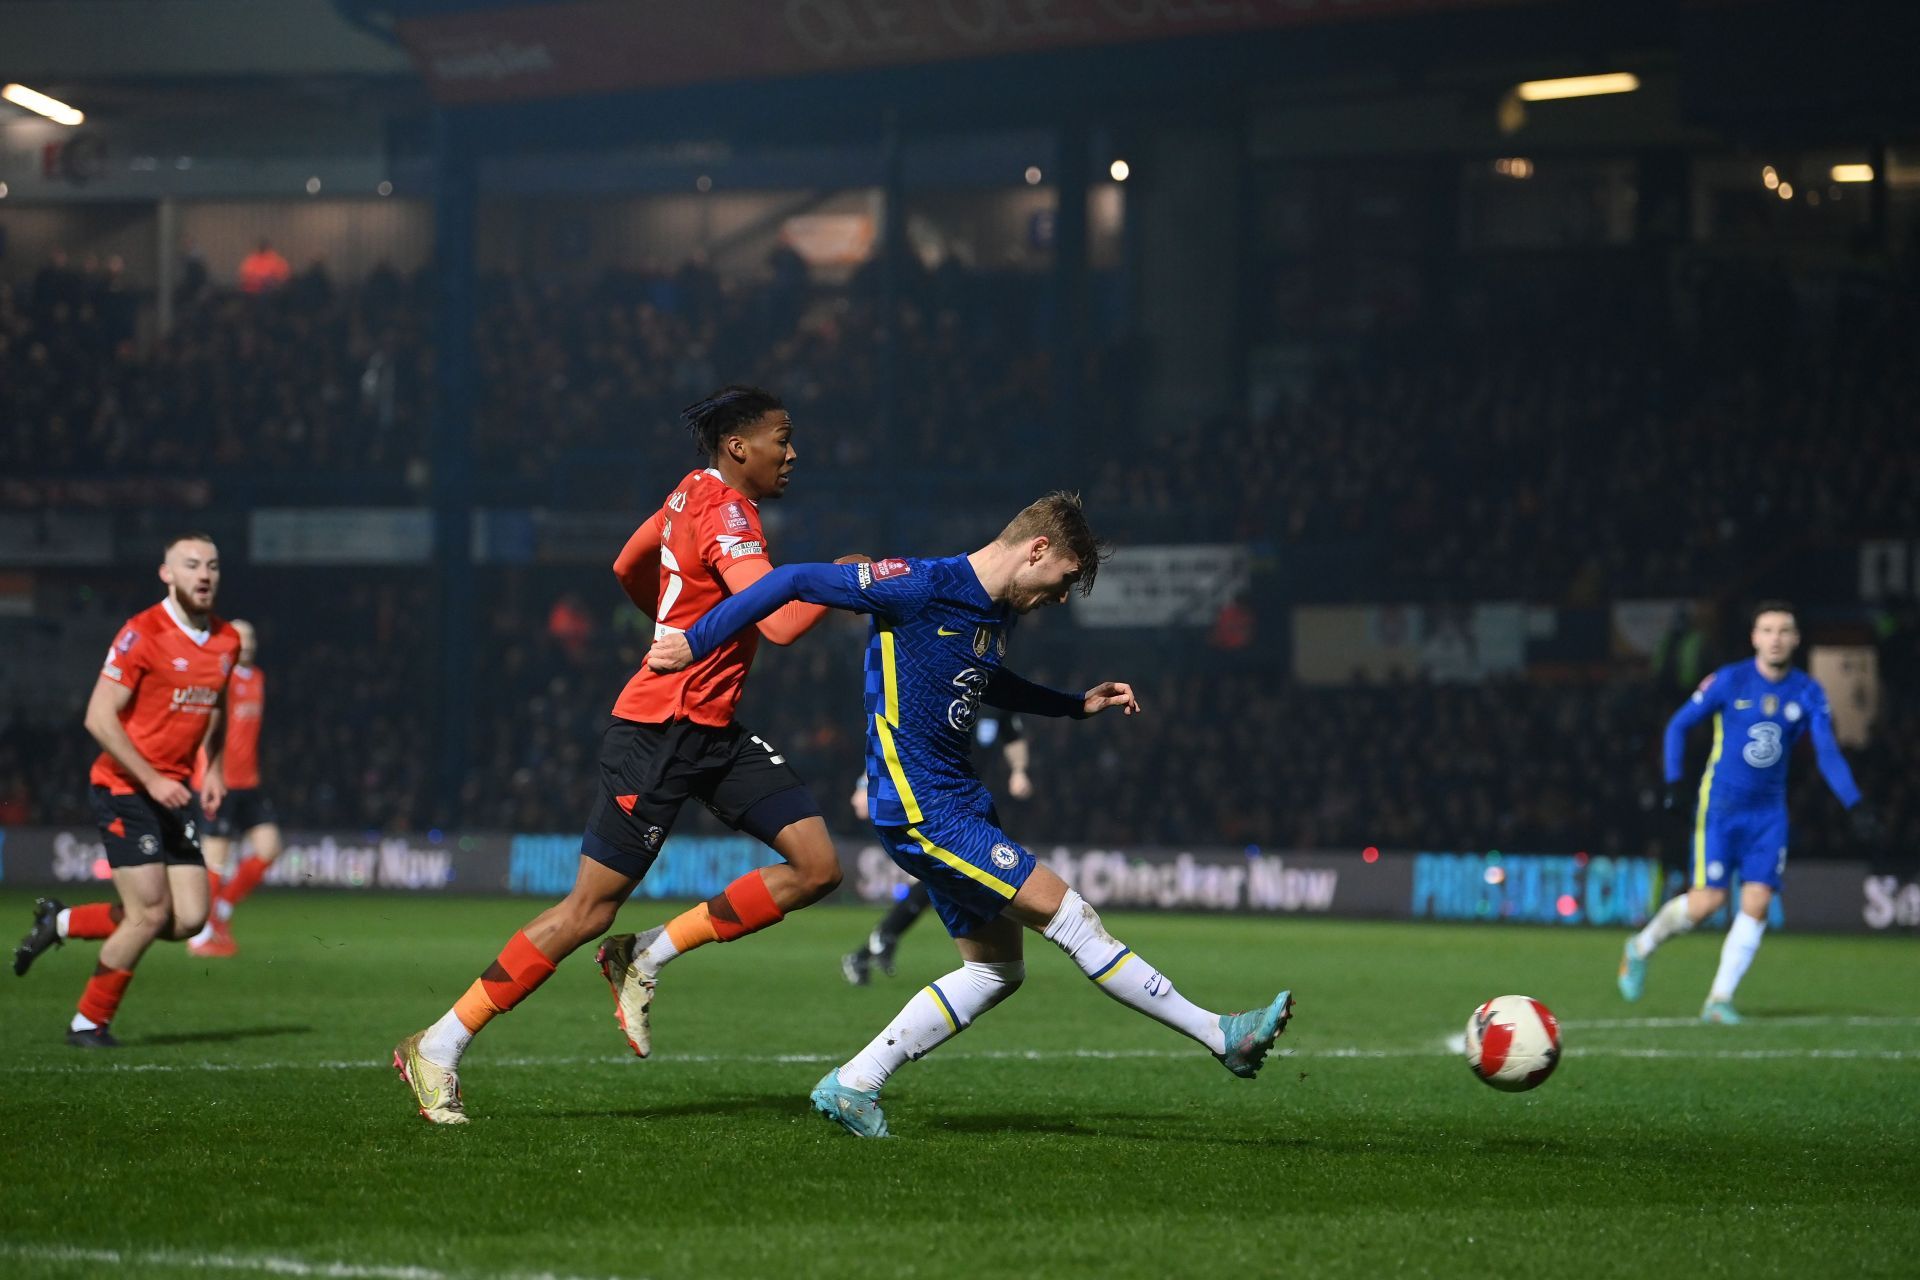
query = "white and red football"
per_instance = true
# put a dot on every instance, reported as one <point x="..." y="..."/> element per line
<point x="1513" y="1043"/>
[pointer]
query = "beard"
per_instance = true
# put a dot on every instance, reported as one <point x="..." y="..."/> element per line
<point x="184" y="599"/>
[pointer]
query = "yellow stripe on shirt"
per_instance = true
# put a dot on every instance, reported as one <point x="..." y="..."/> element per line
<point x="890" y="675"/>
<point x="894" y="771"/>
<point x="961" y="865"/>
<point x="1700" y="814"/>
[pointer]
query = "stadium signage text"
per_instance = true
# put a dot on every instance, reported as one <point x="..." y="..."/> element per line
<point x="1535" y="888"/>
<point x="1180" y="880"/>
<point x="1483" y="888"/>
<point x="1890" y="904"/>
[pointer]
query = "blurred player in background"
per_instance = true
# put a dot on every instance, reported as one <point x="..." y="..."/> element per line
<point x="939" y="637"/>
<point x="1760" y="709"/>
<point x="157" y="702"/>
<point x="994" y="727"/>
<point x="247" y="814"/>
<point x="671" y="739"/>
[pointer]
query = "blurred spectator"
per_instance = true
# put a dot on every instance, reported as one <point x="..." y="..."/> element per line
<point x="264" y="270"/>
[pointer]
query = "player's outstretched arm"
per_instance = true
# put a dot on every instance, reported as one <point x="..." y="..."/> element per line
<point x="791" y="620"/>
<point x="108" y="700"/>
<point x="835" y="586"/>
<point x="1015" y="693"/>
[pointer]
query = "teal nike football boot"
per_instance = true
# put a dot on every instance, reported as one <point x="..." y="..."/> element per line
<point x="855" y="1110"/>
<point x="1249" y="1035"/>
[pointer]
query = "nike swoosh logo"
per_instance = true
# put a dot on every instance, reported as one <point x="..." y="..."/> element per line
<point x="943" y="631"/>
<point x="1741" y="704"/>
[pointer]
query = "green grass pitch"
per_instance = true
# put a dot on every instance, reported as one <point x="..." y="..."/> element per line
<point x="251" y="1124"/>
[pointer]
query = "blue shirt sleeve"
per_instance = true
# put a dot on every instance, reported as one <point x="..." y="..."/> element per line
<point x="1826" y="749"/>
<point x="1010" y="692"/>
<point x="1707" y="699"/>
<point x="854" y="587"/>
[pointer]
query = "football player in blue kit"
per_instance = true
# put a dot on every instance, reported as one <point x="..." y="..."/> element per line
<point x="934" y="655"/>
<point x="1760" y="709"/>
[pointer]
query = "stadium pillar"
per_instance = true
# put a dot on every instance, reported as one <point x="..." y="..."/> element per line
<point x="451" y="453"/>
<point x="893" y="264"/>
<point x="1877" y="226"/>
<point x="1186" y="191"/>
<point x="166" y="276"/>
<point x="1070" y="282"/>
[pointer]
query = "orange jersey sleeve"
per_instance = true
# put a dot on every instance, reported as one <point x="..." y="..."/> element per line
<point x="638" y="564"/>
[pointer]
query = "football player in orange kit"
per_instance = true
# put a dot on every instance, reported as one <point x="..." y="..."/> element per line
<point x="247" y="815"/>
<point x="672" y="738"/>
<point x="159" y="698"/>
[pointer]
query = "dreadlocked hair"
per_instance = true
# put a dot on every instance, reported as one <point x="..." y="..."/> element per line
<point x="724" y="413"/>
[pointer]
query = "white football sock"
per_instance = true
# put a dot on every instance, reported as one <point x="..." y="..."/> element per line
<point x="60" y="923"/>
<point x="652" y="950"/>
<point x="1736" y="953"/>
<point x="81" y="1022"/>
<point x="445" y="1041"/>
<point x="937" y="1013"/>
<point x="222" y="910"/>
<point x="1127" y="977"/>
<point x="1669" y="921"/>
<point x="205" y="934"/>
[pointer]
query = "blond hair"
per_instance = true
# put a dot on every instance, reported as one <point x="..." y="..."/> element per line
<point x="1061" y="519"/>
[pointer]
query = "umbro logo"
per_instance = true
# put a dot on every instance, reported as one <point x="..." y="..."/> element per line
<point x="181" y="664"/>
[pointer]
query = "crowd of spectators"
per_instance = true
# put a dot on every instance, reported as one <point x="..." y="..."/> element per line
<point x="1559" y="472"/>
<point x="1508" y="465"/>
<point x="1554" y="471"/>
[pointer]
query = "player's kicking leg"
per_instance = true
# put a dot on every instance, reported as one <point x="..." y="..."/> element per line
<point x="988" y="935"/>
<point x="429" y="1061"/>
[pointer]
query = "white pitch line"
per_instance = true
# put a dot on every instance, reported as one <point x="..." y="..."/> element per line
<point x="1809" y="1020"/>
<point x="1453" y="1046"/>
<point x="270" y="1264"/>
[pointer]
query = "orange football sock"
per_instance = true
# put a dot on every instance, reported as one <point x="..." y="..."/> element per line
<point x="692" y="928"/>
<point x="743" y="907"/>
<point x="94" y="920"/>
<point x="512" y="977"/>
<point x="102" y="996"/>
<point x="244" y="880"/>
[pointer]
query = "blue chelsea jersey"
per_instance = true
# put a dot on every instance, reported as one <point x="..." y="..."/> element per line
<point x="936" y="643"/>
<point x="1756" y="722"/>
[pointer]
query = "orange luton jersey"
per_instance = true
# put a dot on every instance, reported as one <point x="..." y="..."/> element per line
<point x="177" y="676"/>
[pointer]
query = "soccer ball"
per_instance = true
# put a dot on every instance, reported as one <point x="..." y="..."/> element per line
<point x="1513" y="1043"/>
